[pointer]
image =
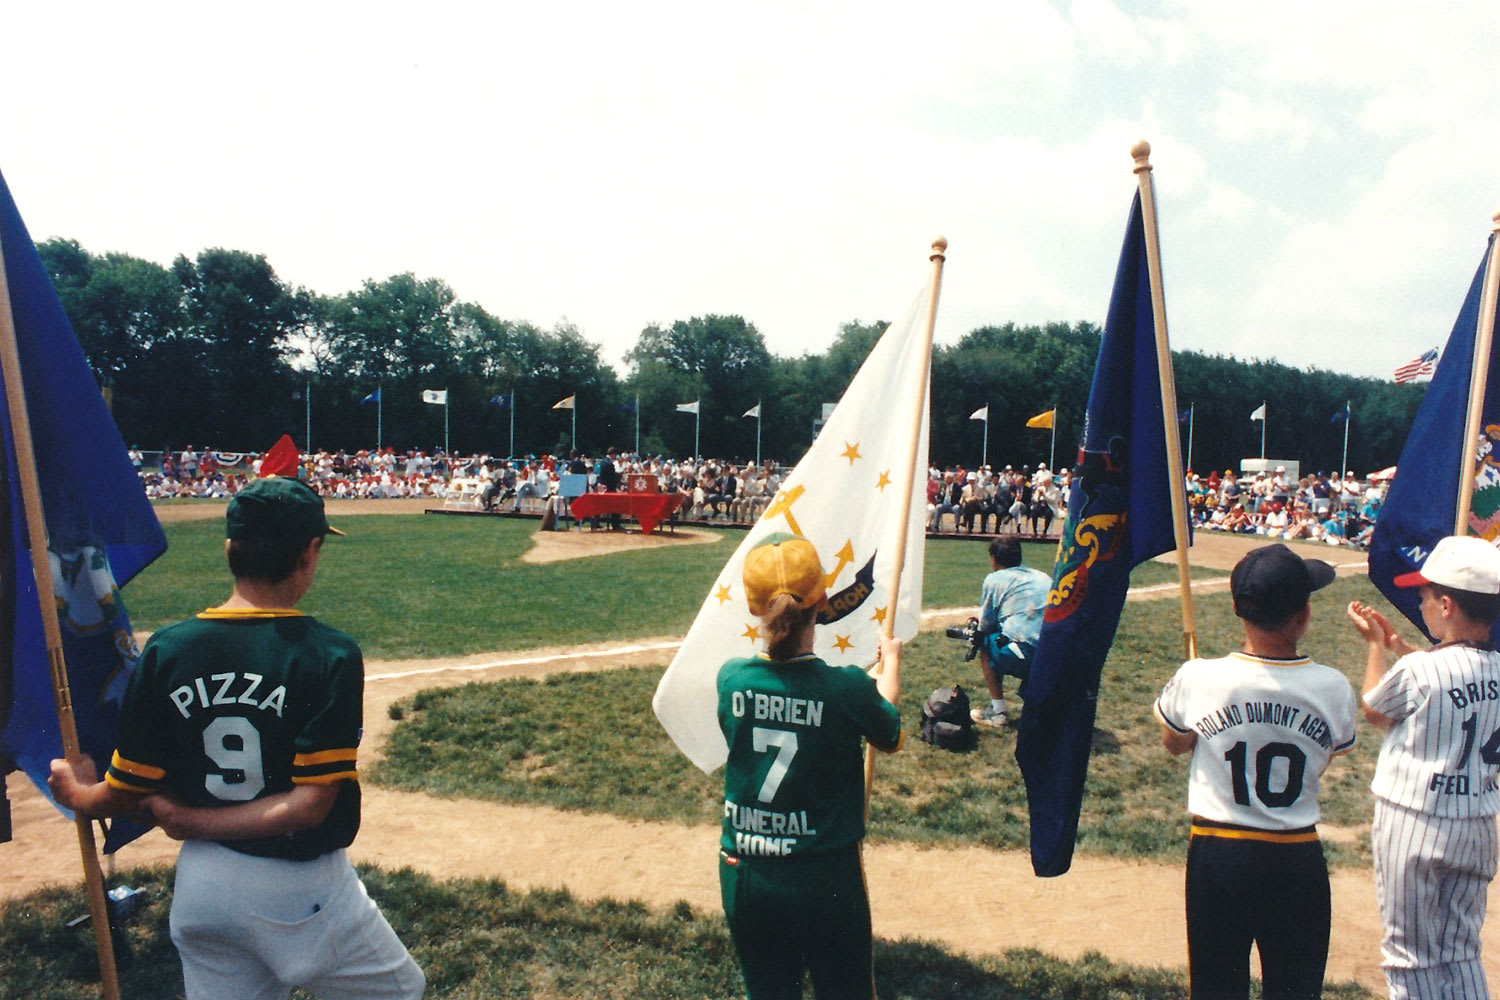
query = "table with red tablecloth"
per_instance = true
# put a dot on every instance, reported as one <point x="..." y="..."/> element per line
<point x="650" y="509"/>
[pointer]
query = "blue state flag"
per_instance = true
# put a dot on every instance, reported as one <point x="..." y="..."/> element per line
<point x="502" y="400"/>
<point x="1340" y="415"/>
<point x="101" y="532"/>
<point x="1119" y="514"/>
<point x="1422" y="503"/>
<point x="373" y="397"/>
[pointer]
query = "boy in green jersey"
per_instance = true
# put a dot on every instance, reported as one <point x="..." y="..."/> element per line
<point x="239" y="736"/>
<point x="790" y="874"/>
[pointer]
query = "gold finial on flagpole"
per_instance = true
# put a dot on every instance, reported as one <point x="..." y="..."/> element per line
<point x="1141" y="152"/>
<point x="940" y="247"/>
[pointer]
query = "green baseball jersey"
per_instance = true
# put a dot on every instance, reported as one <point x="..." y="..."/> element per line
<point x="233" y="706"/>
<point x="794" y="780"/>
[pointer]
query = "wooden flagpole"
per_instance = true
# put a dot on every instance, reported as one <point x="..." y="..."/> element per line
<point x="41" y="566"/>
<point x="888" y="627"/>
<point x="1479" y="378"/>
<point x="1141" y="152"/>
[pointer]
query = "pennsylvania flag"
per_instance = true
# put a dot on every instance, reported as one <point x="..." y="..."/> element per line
<point x="101" y="532"/>
<point x="844" y="498"/>
<point x="1422" y="503"/>
<point x="1119" y="514"/>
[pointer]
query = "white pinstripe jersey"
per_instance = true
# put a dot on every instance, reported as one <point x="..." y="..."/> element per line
<point x="1266" y="731"/>
<point x="1442" y="757"/>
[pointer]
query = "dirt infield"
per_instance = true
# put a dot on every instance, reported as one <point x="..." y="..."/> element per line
<point x="1129" y="911"/>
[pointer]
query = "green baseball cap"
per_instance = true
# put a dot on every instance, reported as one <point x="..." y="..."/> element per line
<point x="276" y="507"/>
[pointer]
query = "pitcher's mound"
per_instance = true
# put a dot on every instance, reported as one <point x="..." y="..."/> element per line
<point x="551" y="546"/>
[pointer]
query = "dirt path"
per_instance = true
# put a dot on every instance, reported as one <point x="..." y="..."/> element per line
<point x="1129" y="911"/>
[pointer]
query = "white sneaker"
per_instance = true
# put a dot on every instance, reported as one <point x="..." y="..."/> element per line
<point x="989" y="716"/>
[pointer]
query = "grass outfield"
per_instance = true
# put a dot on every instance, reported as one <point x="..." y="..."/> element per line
<point x="419" y="586"/>
<point x="477" y="939"/>
<point x="519" y="741"/>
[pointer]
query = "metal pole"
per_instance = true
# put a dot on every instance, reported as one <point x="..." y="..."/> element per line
<point x="638" y="426"/>
<point x="984" y="449"/>
<point x="512" y="422"/>
<point x="757" y="431"/>
<point x="1190" y="434"/>
<point x="1052" y="454"/>
<point x="1263" y="435"/>
<point x="307" y="398"/>
<point x="1348" y="417"/>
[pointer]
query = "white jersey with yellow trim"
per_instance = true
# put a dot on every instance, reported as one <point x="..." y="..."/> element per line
<point x="1442" y="756"/>
<point x="1266" y="728"/>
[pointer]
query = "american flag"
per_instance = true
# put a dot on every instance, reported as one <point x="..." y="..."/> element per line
<point x="1421" y="366"/>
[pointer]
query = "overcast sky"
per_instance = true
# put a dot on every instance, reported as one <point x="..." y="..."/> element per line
<point x="1325" y="172"/>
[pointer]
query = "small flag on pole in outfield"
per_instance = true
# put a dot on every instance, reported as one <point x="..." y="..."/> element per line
<point x="1339" y="415"/>
<point x="843" y="497"/>
<point x="373" y="397"/>
<point x="627" y="407"/>
<point x="1043" y="420"/>
<point x="1421" y="366"/>
<point x="688" y="407"/>
<point x="983" y="413"/>
<point x="565" y="403"/>
<point x="438" y="396"/>
<point x="1259" y="412"/>
<point x="754" y="411"/>
<point x="502" y="400"/>
<point x="1421" y="505"/>
<point x="100" y="532"/>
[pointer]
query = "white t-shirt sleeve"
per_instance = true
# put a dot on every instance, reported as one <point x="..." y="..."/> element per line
<point x="1397" y="694"/>
<point x="1171" y="707"/>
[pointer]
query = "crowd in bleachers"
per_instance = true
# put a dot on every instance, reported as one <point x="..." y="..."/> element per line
<point x="1338" y="510"/>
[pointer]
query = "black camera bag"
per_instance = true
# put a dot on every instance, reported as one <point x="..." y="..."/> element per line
<point x="945" y="720"/>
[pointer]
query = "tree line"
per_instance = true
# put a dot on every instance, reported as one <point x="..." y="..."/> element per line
<point x="218" y="351"/>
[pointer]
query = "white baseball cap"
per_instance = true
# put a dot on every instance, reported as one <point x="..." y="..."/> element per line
<point x="1460" y="562"/>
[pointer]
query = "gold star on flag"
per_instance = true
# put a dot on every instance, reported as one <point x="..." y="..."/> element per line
<point x="878" y="616"/>
<point x="842" y="643"/>
<point x="722" y="594"/>
<point x="885" y="480"/>
<point x="751" y="632"/>
<point x="851" y="452"/>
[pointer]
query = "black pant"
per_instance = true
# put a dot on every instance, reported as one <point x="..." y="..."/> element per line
<point x="1275" y="894"/>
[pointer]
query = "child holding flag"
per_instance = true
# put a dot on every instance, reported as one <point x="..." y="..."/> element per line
<point x="790" y="871"/>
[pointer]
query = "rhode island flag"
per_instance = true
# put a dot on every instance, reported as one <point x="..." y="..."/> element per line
<point x="844" y="496"/>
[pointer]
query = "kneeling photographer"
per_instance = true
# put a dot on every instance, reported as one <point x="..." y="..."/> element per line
<point x="1011" y="603"/>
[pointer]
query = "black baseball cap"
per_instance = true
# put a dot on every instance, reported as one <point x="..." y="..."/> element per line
<point x="276" y="507"/>
<point x="1272" y="583"/>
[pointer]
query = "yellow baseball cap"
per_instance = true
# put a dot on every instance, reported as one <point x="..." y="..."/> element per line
<point x="783" y="564"/>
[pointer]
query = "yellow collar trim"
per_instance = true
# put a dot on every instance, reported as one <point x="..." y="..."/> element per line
<point x="1272" y="661"/>
<point x="249" y="614"/>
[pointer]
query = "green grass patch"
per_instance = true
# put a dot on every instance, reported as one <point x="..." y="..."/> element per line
<point x="520" y="741"/>
<point x="427" y="586"/>
<point x="479" y="939"/>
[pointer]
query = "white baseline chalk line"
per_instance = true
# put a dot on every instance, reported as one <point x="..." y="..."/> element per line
<point x="526" y="661"/>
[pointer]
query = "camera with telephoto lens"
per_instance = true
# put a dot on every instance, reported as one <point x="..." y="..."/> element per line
<point x="969" y="633"/>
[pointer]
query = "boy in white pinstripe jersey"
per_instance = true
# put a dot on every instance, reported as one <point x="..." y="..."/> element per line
<point x="1437" y="783"/>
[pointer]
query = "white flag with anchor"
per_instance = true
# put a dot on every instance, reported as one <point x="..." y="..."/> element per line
<point x="844" y="497"/>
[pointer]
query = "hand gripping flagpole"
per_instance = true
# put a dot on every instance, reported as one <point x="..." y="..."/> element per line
<point x="1479" y="379"/>
<point x="41" y="566"/>
<point x="1141" y="152"/>
<point x="888" y="626"/>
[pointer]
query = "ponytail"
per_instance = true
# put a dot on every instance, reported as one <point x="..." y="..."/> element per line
<point x="783" y="622"/>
